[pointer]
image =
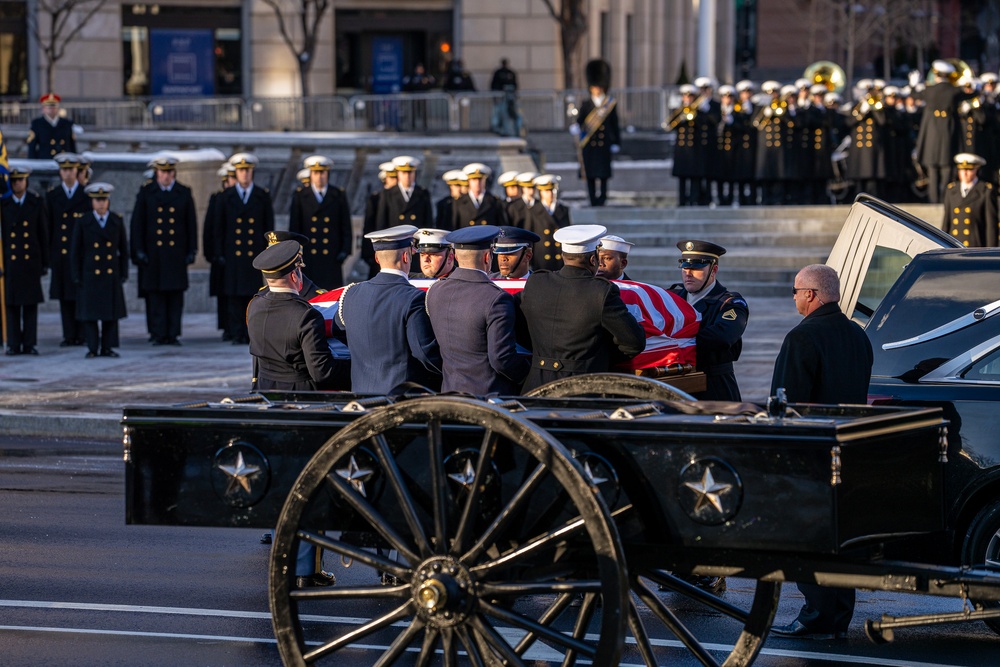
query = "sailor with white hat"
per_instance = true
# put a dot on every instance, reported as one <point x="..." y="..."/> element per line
<point x="478" y="206"/>
<point x="321" y="212"/>
<point x="612" y="255"/>
<point x="443" y="208"/>
<point x="387" y="176"/>
<point x="407" y="203"/>
<point x="970" y="208"/>
<point x="24" y="261"/>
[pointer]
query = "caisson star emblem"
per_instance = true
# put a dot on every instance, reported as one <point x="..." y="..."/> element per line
<point x="466" y="476"/>
<point x="355" y="475"/>
<point x="591" y="475"/>
<point x="708" y="491"/>
<point x="239" y="474"/>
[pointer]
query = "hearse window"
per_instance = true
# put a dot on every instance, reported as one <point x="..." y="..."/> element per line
<point x="986" y="369"/>
<point x="884" y="269"/>
<point x="938" y="296"/>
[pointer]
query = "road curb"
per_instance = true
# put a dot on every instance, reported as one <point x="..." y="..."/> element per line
<point x="89" y="426"/>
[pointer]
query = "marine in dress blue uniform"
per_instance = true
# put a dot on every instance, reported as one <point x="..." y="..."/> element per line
<point x="50" y="134"/>
<point x="321" y="213"/>
<point x="388" y="331"/>
<point x="473" y="321"/>
<point x="23" y="224"/>
<point x="513" y="251"/>
<point x="66" y="204"/>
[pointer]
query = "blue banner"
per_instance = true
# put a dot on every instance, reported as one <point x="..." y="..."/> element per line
<point x="182" y="62"/>
<point x="387" y="64"/>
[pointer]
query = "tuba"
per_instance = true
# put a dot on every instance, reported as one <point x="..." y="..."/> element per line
<point x="962" y="69"/>
<point x="828" y="73"/>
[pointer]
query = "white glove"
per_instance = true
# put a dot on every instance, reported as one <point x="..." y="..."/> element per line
<point x="914" y="77"/>
<point x="768" y="111"/>
<point x="574" y="129"/>
<point x="865" y="107"/>
<point x="615" y="149"/>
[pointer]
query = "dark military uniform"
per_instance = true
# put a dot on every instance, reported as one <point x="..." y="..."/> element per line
<point x="866" y="160"/>
<point x="99" y="264"/>
<point x="817" y="149"/>
<point x="64" y="212"/>
<point x="938" y="136"/>
<point x="216" y="268"/>
<point x="465" y="213"/>
<point x="327" y="225"/>
<point x="25" y="260"/>
<point x="547" y="253"/>
<point x="689" y="160"/>
<point x="517" y="211"/>
<point x="394" y="210"/>
<point x="46" y="140"/>
<point x="164" y="233"/>
<point x="596" y="152"/>
<point x="577" y="323"/>
<point x="371" y="213"/>
<point x="972" y="219"/>
<point x="735" y="155"/>
<point x="443" y="212"/>
<point x="771" y="154"/>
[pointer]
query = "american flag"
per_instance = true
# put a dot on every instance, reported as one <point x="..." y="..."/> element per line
<point x="670" y="323"/>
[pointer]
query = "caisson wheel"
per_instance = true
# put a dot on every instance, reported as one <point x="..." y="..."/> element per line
<point x="494" y="545"/>
<point x="981" y="547"/>
<point x="609" y="385"/>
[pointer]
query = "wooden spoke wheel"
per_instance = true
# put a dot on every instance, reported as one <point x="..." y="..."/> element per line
<point x="489" y="533"/>
<point x="608" y="385"/>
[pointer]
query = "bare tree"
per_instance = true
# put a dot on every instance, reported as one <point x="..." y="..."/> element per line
<point x="65" y="19"/>
<point x="302" y="42"/>
<point x="573" y="26"/>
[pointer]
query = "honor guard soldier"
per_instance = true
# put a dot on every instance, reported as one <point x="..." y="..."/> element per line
<point x="596" y="131"/>
<point x="724" y="317"/>
<point x="227" y="178"/>
<point x="612" y="257"/>
<point x="970" y="205"/>
<point x="388" y="332"/>
<point x="407" y="203"/>
<point x="24" y="239"/>
<point x="244" y="216"/>
<point x="545" y="218"/>
<point x="99" y="263"/>
<point x="50" y="134"/>
<point x="513" y="250"/>
<point x="309" y="289"/>
<point x="437" y="258"/>
<point x="511" y="194"/>
<point x="478" y="207"/>
<point x="322" y="214"/>
<point x="387" y="176"/>
<point x="164" y="234"/>
<point x="443" y="209"/>
<point x="473" y="321"/>
<point x="66" y="203"/>
<point x="576" y="321"/>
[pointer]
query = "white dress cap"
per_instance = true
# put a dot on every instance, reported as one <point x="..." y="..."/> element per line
<point x="507" y="178"/>
<point x="405" y="163"/>
<point x="317" y="163"/>
<point x="616" y="243"/>
<point x="579" y="239"/>
<point x="244" y="160"/>
<point x="477" y="170"/>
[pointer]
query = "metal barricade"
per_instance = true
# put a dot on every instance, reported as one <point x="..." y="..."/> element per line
<point x="314" y="114"/>
<point x="542" y="110"/>
<point x="474" y="111"/>
<point x="197" y="114"/>
<point x="405" y="112"/>
<point x="641" y="108"/>
<point x="111" y="115"/>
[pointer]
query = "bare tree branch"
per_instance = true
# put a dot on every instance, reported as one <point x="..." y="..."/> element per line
<point x="59" y="12"/>
<point x="310" y="18"/>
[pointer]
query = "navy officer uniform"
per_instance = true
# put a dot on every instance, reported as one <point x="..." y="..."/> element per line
<point x="320" y="212"/>
<point x="724" y="316"/>
<point x="66" y="203"/>
<point x="544" y="218"/>
<point x="577" y="322"/>
<point x="473" y="320"/>
<point x="388" y="331"/>
<point x="25" y="260"/>
<point x="970" y="205"/>
<point x="477" y="206"/>
<point x="443" y="209"/>
<point x="50" y="134"/>
<point x="515" y="241"/>
<point x="407" y="203"/>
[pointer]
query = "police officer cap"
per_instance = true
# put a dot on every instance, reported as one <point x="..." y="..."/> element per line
<point x="507" y="179"/>
<point x="968" y="161"/>
<point x="405" y="163"/>
<point x="477" y="170"/>
<point x="317" y="163"/>
<point x="688" y="89"/>
<point x="243" y="161"/>
<point x="514" y="239"/>
<point x="456" y="177"/>
<point x="699" y="254"/>
<point x="66" y="160"/>
<point x="303" y="176"/>
<point x="100" y="190"/>
<point x="277" y="237"/>
<point x="278" y="259"/>
<point x="942" y="67"/>
<point x="616" y="243"/>
<point x="163" y="163"/>
<point x="431" y="241"/>
<point x="579" y="239"/>
<point x="393" y="238"/>
<point x="478" y="237"/>
<point x="388" y="167"/>
<point x="19" y="172"/>
<point x="526" y="179"/>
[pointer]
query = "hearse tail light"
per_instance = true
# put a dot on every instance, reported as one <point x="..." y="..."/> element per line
<point x="882" y="399"/>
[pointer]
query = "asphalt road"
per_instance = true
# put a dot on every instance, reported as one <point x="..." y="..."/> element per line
<point x="79" y="587"/>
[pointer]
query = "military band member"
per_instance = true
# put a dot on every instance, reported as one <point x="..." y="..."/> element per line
<point x="227" y="178"/>
<point x="724" y="316"/>
<point x="437" y="257"/>
<point x="545" y="218"/>
<point x="473" y="321"/>
<point x="597" y="132"/>
<point x="612" y="257"/>
<point x="387" y="176"/>
<point x="970" y="205"/>
<point x="708" y="128"/>
<point x="478" y="207"/>
<point x="817" y="144"/>
<point x="388" y="332"/>
<point x="689" y="158"/>
<point x="456" y="180"/>
<point x="513" y="251"/>
<point x="322" y="214"/>
<point x="66" y="203"/>
<point x="244" y="215"/>
<point x="50" y="134"/>
<point x="746" y="139"/>
<point x="769" y="123"/>
<point x="869" y="131"/>
<point x="24" y="228"/>
<point x="938" y="138"/>
<point x="99" y="255"/>
<point x="577" y="322"/>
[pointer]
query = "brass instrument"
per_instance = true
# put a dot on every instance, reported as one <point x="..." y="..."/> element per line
<point x="686" y="113"/>
<point x="828" y="73"/>
<point x="838" y="187"/>
<point x="777" y="107"/>
<point x="873" y="99"/>
<point x="962" y="69"/>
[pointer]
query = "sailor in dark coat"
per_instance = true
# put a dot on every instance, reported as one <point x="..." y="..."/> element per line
<point x="970" y="205"/>
<point x="164" y="235"/>
<point x="596" y="131"/>
<point x="545" y="218"/>
<point x="689" y="151"/>
<point x="227" y="174"/>
<point x="50" y="134"/>
<point x="577" y="322"/>
<point x="407" y="203"/>
<point x="322" y="213"/>
<point x="818" y="145"/>
<point x="66" y="203"/>
<point x="869" y="124"/>
<point x="24" y="228"/>
<point x="455" y="179"/>
<point x="99" y="255"/>
<point x="724" y="316"/>
<point x="769" y="122"/>
<point x="477" y="206"/>
<point x="244" y="214"/>
<point x="388" y="331"/>
<point x="612" y="257"/>
<point x="473" y="321"/>
<point x="827" y="358"/>
<point x="511" y="199"/>
<point x="387" y="176"/>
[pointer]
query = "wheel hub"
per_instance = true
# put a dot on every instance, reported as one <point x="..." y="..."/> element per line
<point x="443" y="591"/>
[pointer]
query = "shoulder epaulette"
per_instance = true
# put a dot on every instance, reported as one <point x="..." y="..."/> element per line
<point x="951" y="185"/>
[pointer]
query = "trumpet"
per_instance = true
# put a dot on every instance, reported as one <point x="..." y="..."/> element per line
<point x="685" y="114"/>
<point x="777" y="108"/>
<point x="874" y="102"/>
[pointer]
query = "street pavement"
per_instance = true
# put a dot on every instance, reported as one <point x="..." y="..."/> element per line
<point x="61" y="394"/>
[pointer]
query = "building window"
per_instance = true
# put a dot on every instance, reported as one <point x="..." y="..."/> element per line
<point x="181" y="51"/>
<point x="13" y="49"/>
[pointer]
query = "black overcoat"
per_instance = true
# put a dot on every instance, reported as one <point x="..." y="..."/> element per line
<point x="597" y="151"/>
<point x="327" y="225"/>
<point x="63" y="214"/>
<point x="99" y="261"/>
<point x="241" y="235"/>
<point x="25" y="249"/>
<point x="937" y="138"/>
<point x="393" y="210"/>
<point x="971" y="219"/>
<point x="546" y="253"/>
<point x="164" y="228"/>
<point x="490" y="212"/>
<point x="46" y="141"/>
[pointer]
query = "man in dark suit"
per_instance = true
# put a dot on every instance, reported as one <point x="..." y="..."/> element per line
<point x="577" y="323"/>
<point x="321" y="213"/>
<point x="388" y="332"/>
<point x="545" y="218"/>
<point x="24" y="228"/>
<point x="66" y="203"/>
<point x="99" y="264"/>
<point x="473" y="321"/>
<point x="407" y="203"/>
<point x="612" y="256"/>
<point x="227" y="175"/>
<point x="724" y="316"/>
<point x="164" y="233"/>
<point x="970" y="205"/>
<point x="387" y="177"/>
<point x="597" y="132"/>
<point x="478" y="207"/>
<point x="50" y="134"/>
<point x="456" y="181"/>
<point x="938" y="136"/>
<point x="827" y="358"/>
<point x="244" y="214"/>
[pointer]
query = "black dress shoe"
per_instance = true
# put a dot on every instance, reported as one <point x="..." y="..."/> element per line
<point x="109" y="353"/>
<point x="30" y="350"/>
<point x="797" y="630"/>
<point x="11" y="352"/>
<point x="90" y="355"/>
<point x="173" y="341"/>
<point x="265" y="538"/>
<point x="159" y="341"/>
<point x="321" y="578"/>
<point x="78" y="342"/>
<point x="67" y="343"/>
